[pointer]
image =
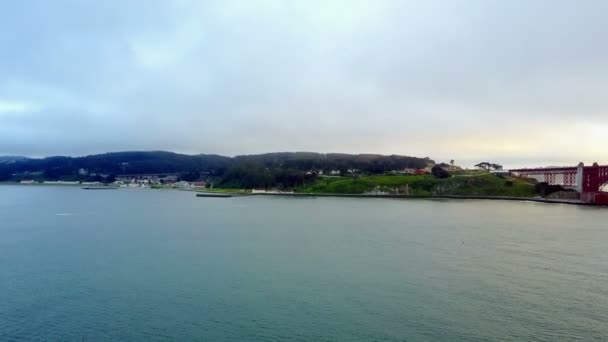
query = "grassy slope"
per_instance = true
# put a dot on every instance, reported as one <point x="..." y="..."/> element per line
<point x="481" y="184"/>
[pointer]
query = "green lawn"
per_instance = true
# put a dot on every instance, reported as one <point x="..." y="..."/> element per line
<point x="424" y="185"/>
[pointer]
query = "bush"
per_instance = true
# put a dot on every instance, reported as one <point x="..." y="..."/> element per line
<point x="544" y="189"/>
<point x="440" y="172"/>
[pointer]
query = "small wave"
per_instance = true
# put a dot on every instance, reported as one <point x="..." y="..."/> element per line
<point x="65" y="214"/>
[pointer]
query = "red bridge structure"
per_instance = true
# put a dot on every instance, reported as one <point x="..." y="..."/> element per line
<point x="587" y="180"/>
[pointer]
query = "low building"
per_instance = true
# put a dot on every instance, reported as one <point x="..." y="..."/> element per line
<point x="404" y="172"/>
<point x="199" y="184"/>
<point x="61" y="182"/>
<point x="184" y="184"/>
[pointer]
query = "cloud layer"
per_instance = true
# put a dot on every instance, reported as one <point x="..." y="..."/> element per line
<point x="520" y="82"/>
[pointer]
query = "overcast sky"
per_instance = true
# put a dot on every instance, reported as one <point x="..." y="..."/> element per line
<point x="520" y="82"/>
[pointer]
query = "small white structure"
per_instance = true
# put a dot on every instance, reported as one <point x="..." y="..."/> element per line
<point x="61" y="183"/>
<point x="405" y="171"/>
<point x="183" y="184"/>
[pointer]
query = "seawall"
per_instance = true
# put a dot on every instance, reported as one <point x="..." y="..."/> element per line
<point x="495" y="198"/>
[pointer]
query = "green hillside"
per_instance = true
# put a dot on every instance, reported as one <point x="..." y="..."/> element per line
<point x="425" y="185"/>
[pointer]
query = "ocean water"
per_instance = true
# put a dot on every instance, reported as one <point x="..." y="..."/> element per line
<point x="154" y="265"/>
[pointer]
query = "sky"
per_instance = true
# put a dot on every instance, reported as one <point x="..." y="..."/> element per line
<point x="519" y="82"/>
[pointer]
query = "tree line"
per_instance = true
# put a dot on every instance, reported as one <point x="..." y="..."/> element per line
<point x="288" y="169"/>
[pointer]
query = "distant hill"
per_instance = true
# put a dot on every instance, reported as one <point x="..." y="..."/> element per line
<point x="11" y="159"/>
<point x="59" y="167"/>
<point x="285" y="169"/>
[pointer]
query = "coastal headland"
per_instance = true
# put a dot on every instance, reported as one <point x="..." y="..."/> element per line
<point x="286" y="174"/>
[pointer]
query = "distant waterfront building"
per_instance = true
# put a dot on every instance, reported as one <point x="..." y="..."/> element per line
<point x="199" y="184"/>
<point x="170" y="178"/>
<point x="61" y="182"/>
<point x="183" y="184"/>
<point x="91" y="183"/>
<point x="406" y="171"/>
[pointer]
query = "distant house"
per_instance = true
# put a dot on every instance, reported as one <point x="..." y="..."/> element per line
<point x="199" y="184"/>
<point x="183" y="184"/>
<point x="449" y="167"/>
<point x="29" y="181"/>
<point x="170" y="178"/>
<point x="334" y="172"/>
<point x="61" y="182"/>
<point x="421" y="172"/>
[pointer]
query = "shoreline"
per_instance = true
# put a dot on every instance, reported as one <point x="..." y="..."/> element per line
<point x="461" y="197"/>
<point x="208" y="194"/>
<point x="412" y="197"/>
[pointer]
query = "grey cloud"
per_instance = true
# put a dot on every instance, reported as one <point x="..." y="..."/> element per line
<point x="462" y="79"/>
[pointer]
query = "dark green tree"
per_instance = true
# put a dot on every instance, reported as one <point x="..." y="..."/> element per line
<point x="440" y="172"/>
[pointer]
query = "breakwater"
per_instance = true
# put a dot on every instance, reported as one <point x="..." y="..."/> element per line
<point x="494" y="198"/>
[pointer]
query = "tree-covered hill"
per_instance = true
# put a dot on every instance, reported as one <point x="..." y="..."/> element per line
<point x="11" y="159"/>
<point x="372" y="163"/>
<point x="283" y="170"/>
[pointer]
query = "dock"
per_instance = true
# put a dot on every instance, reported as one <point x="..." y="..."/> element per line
<point x="218" y="195"/>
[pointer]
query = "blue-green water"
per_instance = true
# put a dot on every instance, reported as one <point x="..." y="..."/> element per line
<point x="146" y="265"/>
